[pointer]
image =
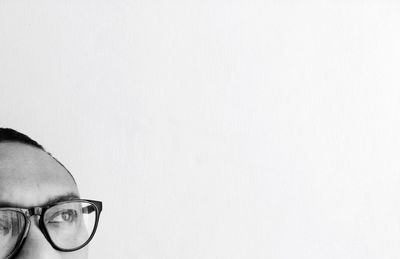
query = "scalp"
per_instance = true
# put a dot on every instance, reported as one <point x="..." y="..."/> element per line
<point x="23" y="161"/>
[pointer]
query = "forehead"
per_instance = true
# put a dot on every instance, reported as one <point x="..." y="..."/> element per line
<point x="31" y="177"/>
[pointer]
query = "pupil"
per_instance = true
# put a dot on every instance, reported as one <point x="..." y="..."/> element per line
<point x="66" y="216"/>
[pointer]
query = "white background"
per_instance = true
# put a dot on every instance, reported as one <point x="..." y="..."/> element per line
<point x="216" y="129"/>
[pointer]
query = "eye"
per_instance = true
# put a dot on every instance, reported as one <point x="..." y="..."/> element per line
<point x="64" y="216"/>
<point x="4" y="229"/>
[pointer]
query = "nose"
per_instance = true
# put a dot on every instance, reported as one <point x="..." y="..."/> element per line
<point x="36" y="246"/>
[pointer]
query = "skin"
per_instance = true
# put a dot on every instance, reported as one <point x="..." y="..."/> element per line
<point x="30" y="177"/>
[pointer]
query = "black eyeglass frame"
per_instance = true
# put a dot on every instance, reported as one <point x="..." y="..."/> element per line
<point x="40" y="211"/>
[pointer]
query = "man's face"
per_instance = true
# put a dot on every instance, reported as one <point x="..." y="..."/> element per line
<point x="30" y="177"/>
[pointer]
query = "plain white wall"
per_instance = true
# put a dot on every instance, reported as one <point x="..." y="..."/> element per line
<point x="216" y="129"/>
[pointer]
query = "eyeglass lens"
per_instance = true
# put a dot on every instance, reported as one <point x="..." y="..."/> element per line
<point x="12" y="227"/>
<point x="69" y="226"/>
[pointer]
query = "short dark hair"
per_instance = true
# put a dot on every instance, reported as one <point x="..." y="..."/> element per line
<point x="11" y="135"/>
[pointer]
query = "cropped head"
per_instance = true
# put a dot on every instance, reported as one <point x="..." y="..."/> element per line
<point x="41" y="212"/>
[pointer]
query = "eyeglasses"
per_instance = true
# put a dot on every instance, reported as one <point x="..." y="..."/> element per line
<point x="67" y="225"/>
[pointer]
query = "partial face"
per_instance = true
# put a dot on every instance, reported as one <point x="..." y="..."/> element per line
<point x="29" y="177"/>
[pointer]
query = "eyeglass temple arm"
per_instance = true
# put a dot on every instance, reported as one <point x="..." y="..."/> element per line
<point x="88" y="209"/>
<point x="93" y="207"/>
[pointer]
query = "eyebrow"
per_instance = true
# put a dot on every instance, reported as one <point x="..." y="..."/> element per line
<point x="52" y="200"/>
<point x="60" y="198"/>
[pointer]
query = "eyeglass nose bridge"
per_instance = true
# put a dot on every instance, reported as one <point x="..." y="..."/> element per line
<point x="36" y="211"/>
